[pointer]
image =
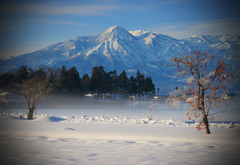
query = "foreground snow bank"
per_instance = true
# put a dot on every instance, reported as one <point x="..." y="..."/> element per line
<point x="69" y="137"/>
<point x="117" y="120"/>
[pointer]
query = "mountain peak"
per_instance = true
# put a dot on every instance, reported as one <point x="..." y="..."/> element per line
<point x="114" y="32"/>
<point x="116" y="28"/>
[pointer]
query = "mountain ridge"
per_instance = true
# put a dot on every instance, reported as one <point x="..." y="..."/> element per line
<point x="119" y="49"/>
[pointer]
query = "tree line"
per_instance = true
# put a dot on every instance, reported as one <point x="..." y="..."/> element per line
<point x="69" y="81"/>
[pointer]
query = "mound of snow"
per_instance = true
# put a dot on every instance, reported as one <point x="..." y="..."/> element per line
<point x="117" y="120"/>
<point x="49" y="119"/>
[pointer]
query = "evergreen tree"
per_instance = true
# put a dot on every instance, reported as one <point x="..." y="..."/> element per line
<point x="132" y="87"/>
<point x="114" y="82"/>
<point x="53" y="75"/>
<point x="40" y="73"/>
<point x="140" y="79"/>
<point x="7" y="80"/>
<point x="149" y="86"/>
<point x="22" y="74"/>
<point x="101" y="70"/>
<point x="30" y="73"/>
<point x="96" y="80"/>
<point x="74" y="81"/>
<point x="107" y="86"/>
<point x="101" y="73"/>
<point x="123" y="83"/>
<point x="63" y="80"/>
<point x="85" y="82"/>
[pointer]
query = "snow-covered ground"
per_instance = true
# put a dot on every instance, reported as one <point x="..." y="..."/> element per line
<point x="123" y="136"/>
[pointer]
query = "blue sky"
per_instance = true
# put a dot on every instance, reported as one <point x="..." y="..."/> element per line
<point x="30" y="25"/>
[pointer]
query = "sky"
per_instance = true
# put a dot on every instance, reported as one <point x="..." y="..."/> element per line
<point x="30" y="25"/>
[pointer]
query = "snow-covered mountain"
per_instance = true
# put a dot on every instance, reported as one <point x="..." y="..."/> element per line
<point x="119" y="49"/>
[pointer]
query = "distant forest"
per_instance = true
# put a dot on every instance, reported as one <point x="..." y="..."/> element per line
<point x="69" y="81"/>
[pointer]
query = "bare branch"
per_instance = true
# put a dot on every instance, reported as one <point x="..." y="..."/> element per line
<point x="33" y="90"/>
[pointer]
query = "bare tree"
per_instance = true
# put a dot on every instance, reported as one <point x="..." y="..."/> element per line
<point x="33" y="90"/>
<point x="207" y="86"/>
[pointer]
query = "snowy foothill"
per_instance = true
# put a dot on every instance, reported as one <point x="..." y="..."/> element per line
<point x="117" y="136"/>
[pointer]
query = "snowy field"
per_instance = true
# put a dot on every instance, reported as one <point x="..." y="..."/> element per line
<point x="117" y="136"/>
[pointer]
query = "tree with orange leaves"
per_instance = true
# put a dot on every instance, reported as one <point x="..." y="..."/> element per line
<point x="206" y="88"/>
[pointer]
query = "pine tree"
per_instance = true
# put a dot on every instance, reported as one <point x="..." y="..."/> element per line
<point x="40" y="73"/>
<point x="96" y="79"/>
<point x="149" y="86"/>
<point x="132" y="87"/>
<point x="63" y="80"/>
<point x="140" y="79"/>
<point x="7" y="80"/>
<point x="74" y="81"/>
<point x="107" y="85"/>
<point x="123" y="83"/>
<point x="85" y="82"/>
<point x="22" y="74"/>
<point x="114" y="82"/>
<point x="53" y="75"/>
